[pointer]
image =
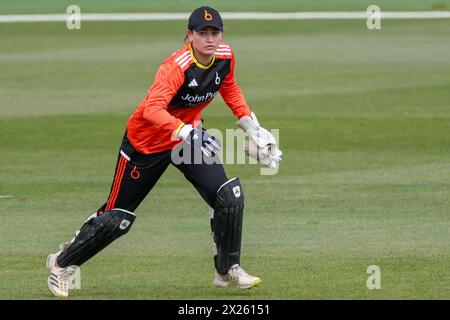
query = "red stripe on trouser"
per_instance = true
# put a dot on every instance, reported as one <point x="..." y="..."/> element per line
<point x="117" y="181"/>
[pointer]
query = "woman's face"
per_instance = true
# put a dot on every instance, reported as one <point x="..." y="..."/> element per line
<point x="206" y="41"/>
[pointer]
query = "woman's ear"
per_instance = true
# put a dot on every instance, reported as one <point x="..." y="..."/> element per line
<point x="190" y="35"/>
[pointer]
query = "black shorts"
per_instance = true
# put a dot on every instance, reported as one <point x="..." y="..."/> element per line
<point x="137" y="173"/>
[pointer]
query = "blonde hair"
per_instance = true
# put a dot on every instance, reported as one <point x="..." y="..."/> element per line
<point x="186" y="39"/>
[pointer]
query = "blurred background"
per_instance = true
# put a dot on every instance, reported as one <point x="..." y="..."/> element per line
<point x="364" y="120"/>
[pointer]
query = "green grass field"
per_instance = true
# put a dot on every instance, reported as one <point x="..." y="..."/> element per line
<point x="364" y="119"/>
<point x="59" y="6"/>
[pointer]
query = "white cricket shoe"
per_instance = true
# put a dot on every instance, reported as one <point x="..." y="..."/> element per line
<point x="59" y="279"/>
<point x="236" y="277"/>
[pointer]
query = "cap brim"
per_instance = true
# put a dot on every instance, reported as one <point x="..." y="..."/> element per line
<point x="198" y="28"/>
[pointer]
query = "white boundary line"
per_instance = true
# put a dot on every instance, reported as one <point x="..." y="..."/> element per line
<point x="226" y="16"/>
<point x="2" y="197"/>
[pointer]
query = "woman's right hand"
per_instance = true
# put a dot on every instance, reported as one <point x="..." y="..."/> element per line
<point x="200" y="139"/>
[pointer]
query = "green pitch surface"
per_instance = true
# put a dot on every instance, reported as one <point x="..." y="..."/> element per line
<point x="364" y="119"/>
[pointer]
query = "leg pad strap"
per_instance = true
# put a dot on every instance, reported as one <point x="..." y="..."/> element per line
<point x="95" y="235"/>
<point x="227" y="224"/>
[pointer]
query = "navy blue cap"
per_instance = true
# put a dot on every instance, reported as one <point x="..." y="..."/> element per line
<point x="205" y="17"/>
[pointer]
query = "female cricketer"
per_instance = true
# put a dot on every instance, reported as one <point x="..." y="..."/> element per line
<point x="169" y="117"/>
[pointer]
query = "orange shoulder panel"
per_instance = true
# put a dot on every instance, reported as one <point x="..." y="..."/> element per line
<point x="224" y="51"/>
<point x="182" y="57"/>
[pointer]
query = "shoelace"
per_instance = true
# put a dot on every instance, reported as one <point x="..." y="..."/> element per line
<point x="238" y="271"/>
<point x="66" y="274"/>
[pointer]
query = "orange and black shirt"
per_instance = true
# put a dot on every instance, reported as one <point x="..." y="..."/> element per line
<point x="181" y="90"/>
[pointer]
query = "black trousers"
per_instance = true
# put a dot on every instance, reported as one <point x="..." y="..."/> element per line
<point x="137" y="173"/>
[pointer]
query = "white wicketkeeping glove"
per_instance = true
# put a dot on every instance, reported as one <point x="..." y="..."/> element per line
<point x="261" y="144"/>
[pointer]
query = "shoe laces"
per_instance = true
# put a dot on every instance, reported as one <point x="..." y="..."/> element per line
<point x="237" y="270"/>
<point x="66" y="273"/>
